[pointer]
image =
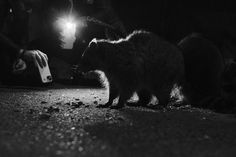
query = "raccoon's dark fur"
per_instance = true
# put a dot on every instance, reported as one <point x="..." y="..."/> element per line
<point x="204" y="66"/>
<point x="142" y="62"/>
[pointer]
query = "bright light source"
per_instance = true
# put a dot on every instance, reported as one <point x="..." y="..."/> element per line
<point x="67" y="26"/>
<point x="70" y="26"/>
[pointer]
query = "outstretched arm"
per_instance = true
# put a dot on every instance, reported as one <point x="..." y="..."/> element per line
<point x="35" y="56"/>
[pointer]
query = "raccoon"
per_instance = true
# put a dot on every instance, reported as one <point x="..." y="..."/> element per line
<point x="204" y="66"/>
<point x="142" y="62"/>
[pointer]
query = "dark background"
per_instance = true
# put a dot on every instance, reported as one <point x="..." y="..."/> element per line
<point x="173" y="19"/>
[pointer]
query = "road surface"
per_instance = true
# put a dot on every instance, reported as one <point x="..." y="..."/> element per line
<point x="65" y="122"/>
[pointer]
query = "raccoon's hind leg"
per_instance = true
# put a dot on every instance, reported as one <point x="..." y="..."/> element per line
<point x="113" y="94"/>
<point x="144" y="99"/>
<point x="124" y="96"/>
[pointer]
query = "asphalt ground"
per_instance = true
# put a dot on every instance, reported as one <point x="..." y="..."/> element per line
<point x="44" y="122"/>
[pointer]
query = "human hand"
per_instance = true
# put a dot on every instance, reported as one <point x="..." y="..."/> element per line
<point x="36" y="56"/>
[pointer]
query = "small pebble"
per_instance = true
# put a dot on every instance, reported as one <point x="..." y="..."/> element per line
<point x="52" y="109"/>
<point x="44" y="116"/>
<point x="81" y="149"/>
<point x="120" y="118"/>
<point x="68" y="103"/>
<point x="77" y="105"/>
<point x="44" y="102"/>
<point x="31" y="111"/>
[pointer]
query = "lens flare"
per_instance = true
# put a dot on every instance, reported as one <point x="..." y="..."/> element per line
<point x="67" y="27"/>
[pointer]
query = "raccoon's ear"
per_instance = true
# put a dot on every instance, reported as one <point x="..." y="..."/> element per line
<point x="93" y="44"/>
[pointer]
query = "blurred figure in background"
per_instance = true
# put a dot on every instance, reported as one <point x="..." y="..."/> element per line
<point x="14" y="40"/>
<point x="101" y="10"/>
<point x="28" y="34"/>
